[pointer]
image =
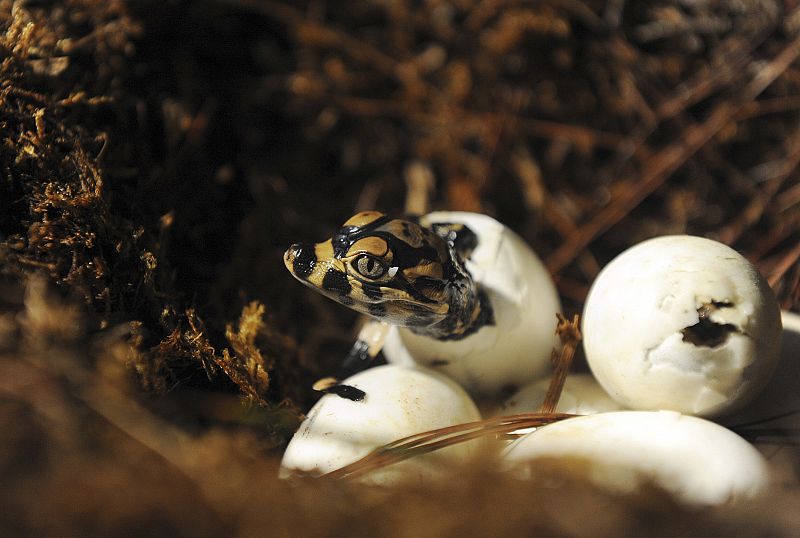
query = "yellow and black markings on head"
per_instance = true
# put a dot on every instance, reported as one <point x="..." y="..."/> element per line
<point x="392" y="269"/>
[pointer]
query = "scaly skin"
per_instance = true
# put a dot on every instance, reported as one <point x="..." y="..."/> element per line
<point x="399" y="272"/>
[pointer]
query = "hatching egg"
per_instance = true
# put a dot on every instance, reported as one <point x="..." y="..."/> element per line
<point x="681" y="323"/>
<point x="515" y="348"/>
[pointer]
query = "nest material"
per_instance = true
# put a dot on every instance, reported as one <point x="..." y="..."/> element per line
<point x="157" y="158"/>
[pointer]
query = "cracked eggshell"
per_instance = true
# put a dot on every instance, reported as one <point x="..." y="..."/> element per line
<point x="645" y="340"/>
<point x="697" y="461"/>
<point x="516" y="349"/>
<point x="399" y="401"/>
<point x="581" y="395"/>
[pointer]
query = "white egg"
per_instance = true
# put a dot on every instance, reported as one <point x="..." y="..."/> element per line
<point x="516" y="348"/>
<point x="581" y="395"/>
<point x="682" y="323"/>
<point x="697" y="461"/>
<point x="777" y="407"/>
<point x="399" y="401"/>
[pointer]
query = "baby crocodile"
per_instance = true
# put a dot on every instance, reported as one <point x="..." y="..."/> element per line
<point x="398" y="271"/>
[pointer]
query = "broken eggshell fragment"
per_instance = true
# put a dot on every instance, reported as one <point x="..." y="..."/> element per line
<point x="697" y="461"/>
<point x="394" y="402"/>
<point x="516" y="348"/>
<point x="682" y="323"/>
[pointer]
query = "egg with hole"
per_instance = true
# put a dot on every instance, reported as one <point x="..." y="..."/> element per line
<point x="681" y="323"/>
<point x="697" y="461"/>
<point x="381" y="405"/>
<point x="515" y="347"/>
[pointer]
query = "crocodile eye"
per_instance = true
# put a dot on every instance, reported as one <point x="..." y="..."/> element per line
<point x="369" y="267"/>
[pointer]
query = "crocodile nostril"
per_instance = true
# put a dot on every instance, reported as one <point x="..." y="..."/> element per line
<point x="290" y="254"/>
<point x="300" y="259"/>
